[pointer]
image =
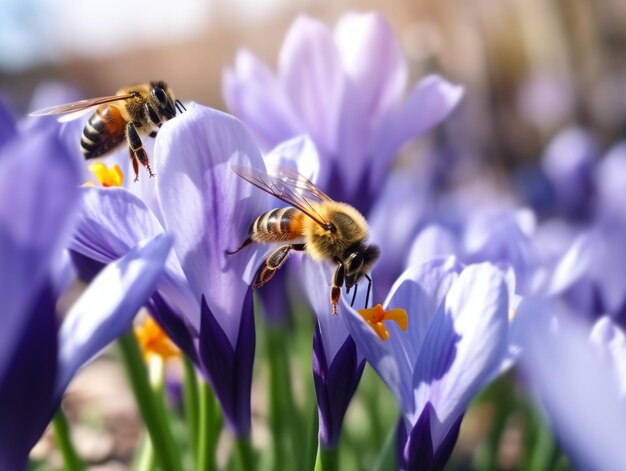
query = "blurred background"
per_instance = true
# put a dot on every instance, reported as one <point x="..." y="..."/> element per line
<point x="531" y="67"/>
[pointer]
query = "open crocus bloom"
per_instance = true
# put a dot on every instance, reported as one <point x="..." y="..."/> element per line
<point x="38" y="201"/>
<point x="456" y="337"/>
<point x="346" y="89"/>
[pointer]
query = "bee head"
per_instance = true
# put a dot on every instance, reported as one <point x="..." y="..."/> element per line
<point x="358" y="262"/>
<point x="161" y="99"/>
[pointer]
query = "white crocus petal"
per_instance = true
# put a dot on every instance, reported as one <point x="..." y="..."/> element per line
<point x="465" y="341"/>
<point x="107" y="307"/>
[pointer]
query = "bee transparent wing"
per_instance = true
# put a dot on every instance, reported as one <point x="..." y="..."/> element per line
<point x="289" y="186"/>
<point x="79" y="105"/>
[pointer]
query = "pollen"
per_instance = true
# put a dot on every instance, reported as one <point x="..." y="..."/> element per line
<point x="154" y="342"/>
<point x="106" y="176"/>
<point x="376" y="315"/>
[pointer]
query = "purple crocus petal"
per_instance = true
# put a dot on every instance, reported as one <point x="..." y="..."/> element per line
<point x="465" y="341"/>
<point x="575" y="264"/>
<point x="38" y="186"/>
<point x="111" y="221"/>
<point x="576" y="385"/>
<point x="433" y="241"/>
<point x="502" y="237"/>
<point x="210" y="206"/>
<point x="26" y="386"/>
<point x="107" y="307"/>
<point x="335" y="384"/>
<point x="299" y="154"/>
<point x="8" y="130"/>
<point x="253" y="93"/>
<point x="317" y="281"/>
<point x="417" y="451"/>
<point x="410" y="199"/>
<point x="609" y="178"/>
<point x="568" y="163"/>
<point x="419" y="291"/>
<point x="229" y="369"/>
<point x="611" y="340"/>
<point x="430" y="102"/>
<point x="337" y="365"/>
<point x="310" y="71"/>
<point x="377" y="73"/>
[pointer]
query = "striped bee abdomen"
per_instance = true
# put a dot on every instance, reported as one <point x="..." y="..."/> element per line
<point x="103" y="132"/>
<point x="277" y="225"/>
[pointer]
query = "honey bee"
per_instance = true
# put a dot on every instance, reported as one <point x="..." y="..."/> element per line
<point x="134" y="110"/>
<point x="325" y="229"/>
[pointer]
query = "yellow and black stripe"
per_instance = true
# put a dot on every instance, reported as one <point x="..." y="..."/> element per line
<point x="103" y="132"/>
<point x="277" y="225"/>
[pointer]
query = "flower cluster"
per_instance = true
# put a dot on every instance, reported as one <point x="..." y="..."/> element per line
<point x="469" y="282"/>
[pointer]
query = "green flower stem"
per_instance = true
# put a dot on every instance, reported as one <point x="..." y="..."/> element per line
<point x="285" y="419"/>
<point x="145" y="459"/>
<point x="191" y="401"/>
<point x="387" y="456"/>
<point x="327" y="459"/>
<point x="209" y="429"/>
<point x="311" y="449"/>
<point x="150" y="404"/>
<point x="62" y="435"/>
<point x="245" y="454"/>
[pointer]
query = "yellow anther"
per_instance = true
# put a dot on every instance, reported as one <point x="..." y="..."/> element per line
<point x="107" y="176"/>
<point x="512" y="314"/>
<point x="375" y="316"/>
<point x="154" y="342"/>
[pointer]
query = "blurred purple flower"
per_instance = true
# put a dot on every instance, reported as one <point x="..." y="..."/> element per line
<point x="568" y="163"/>
<point x="346" y="89"/>
<point x="578" y="381"/>
<point x="38" y="196"/>
<point x="457" y="337"/>
<point x="204" y="301"/>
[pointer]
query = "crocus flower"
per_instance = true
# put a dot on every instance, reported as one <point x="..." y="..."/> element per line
<point x="456" y="338"/>
<point x="38" y="198"/>
<point x="337" y="365"/>
<point x="204" y="300"/>
<point x="578" y="379"/>
<point x="346" y="90"/>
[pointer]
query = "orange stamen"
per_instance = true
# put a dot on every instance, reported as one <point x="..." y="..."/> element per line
<point x="107" y="177"/>
<point x="375" y="316"/>
<point x="153" y="341"/>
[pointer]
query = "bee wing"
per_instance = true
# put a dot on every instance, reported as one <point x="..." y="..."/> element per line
<point x="289" y="186"/>
<point x="79" y="105"/>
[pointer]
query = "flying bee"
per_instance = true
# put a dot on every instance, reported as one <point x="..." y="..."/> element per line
<point x="325" y="229"/>
<point x="134" y="110"/>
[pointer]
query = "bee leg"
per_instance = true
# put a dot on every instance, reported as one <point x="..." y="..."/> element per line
<point x="135" y="162"/>
<point x="274" y="262"/>
<point x="245" y="243"/>
<point x="152" y="115"/>
<point x="136" y="147"/>
<point x="335" y="289"/>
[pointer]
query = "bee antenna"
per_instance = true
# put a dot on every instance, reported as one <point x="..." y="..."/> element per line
<point x="369" y="289"/>
<point x="354" y="295"/>
<point x="179" y="106"/>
